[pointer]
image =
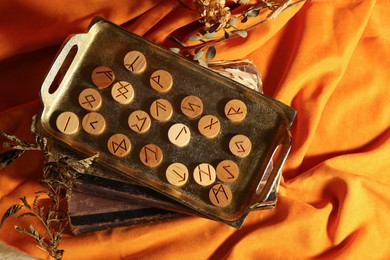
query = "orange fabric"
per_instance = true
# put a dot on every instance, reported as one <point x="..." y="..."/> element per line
<point x="327" y="59"/>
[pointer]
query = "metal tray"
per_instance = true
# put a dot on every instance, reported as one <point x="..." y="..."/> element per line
<point x="266" y="124"/>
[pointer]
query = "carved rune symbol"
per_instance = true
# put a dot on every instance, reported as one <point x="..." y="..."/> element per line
<point x="218" y="190"/>
<point x="141" y="120"/>
<point x="130" y="66"/>
<point x="89" y="99"/>
<point x="159" y="106"/>
<point x="240" y="148"/>
<point x="182" y="177"/>
<point x="184" y="129"/>
<point x="191" y="106"/>
<point x="212" y="122"/>
<point x="151" y="155"/>
<point x="208" y="172"/>
<point x="122" y="145"/>
<point x="157" y="80"/>
<point x="148" y="151"/>
<point x="122" y="90"/>
<point x="93" y="124"/>
<point x="107" y="73"/>
<point x="233" y="111"/>
<point x="67" y="123"/>
<point x="231" y="176"/>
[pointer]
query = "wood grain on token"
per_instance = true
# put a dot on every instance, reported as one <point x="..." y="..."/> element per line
<point x="209" y="126"/>
<point x="204" y="174"/>
<point x="220" y="195"/>
<point x="161" y="110"/>
<point x="235" y="110"/>
<point x="68" y="122"/>
<point x="177" y="174"/>
<point x="139" y="121"/>
<point x="240" y="145"/>
<point x="135" y="61"/>
<point x="90" y="99"/>
<point x="93" y="123"/>
<point x="179" y="134"/>
<point x="119" y="145"/>
<point x="102" y="77"/>
<point x="161" y="81"/>
<point x="151" y="155"/>
<point x="122" y="92"/>
<point x="191" y="106"/>
<point x="227" y="171"/>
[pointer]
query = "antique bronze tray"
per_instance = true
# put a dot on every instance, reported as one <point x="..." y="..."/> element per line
<point x="160" y="121"/>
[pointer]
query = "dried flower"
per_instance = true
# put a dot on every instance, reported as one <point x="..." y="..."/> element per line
<point x="214" y="14"/>
<point x="242" y="2"/>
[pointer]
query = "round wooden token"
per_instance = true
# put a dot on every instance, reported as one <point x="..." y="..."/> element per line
<point x="68" y="122"/>
<point x="139" y="121"/>
<point x="119" y="145"/>
<point x="93" y="123"/>
<point x="161" y="110"/>
<point x="177" y="174"/>
<point x="235" y="110"/>
<point x="151" y="155"/>
<point x="102" y="77"/>
<point x="204" y="174"/>
<point x="122" y="92"/>
<point x="161" y="81"/>
<point x="191" y="106"/>
<point x="179" y="134"/>
<point x="220" y="195"/>
<point x="209" y="126"/>
<point x="227" y="171"/>
<point x="90" y="99"/>
<point x="240" y="145"/>
<point x="135" y="61"/>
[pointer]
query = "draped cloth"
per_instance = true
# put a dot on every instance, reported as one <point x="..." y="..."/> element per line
<point x="329" y="60"/>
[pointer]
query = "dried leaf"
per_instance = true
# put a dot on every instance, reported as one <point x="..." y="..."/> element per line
<point x="10" y="211"/>
<point x="198" y="55"/>
<point x="25" y="203"/>
<point x="21" y="230"/>
<point x="41" y="213"/>
<point x="12" y="138"/>
<point x="194" y="37"/>
<point x="35" y="202"/>
<point x="202" y="31"/>
<point x="253" y="13"/>
<point x="174" y="50"/>
<point x="82" y="165"/>
<point x="226" y="35"/>
<point x="233" y="21"/>
<point x="34" y="233"/>
<point x="27" y="214"/>
<point x="209" y="35"/>
<point x="9" y="157"/>
<point x="203" y="63"/>
<point x="173" y="39"/>
<point x="211" y="52"/>
<point x="213" y="28"/>
<point x="242" y="33"/>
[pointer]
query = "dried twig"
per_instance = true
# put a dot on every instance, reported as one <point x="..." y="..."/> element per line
<point x="59" y="176"/>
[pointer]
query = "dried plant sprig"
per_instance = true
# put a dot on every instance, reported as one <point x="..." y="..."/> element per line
<point x="214" y="20"/>
<point x="59" y="175"/>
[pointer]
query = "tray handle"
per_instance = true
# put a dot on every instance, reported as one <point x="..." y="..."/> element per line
<point x="281" y="155"/>
<point x="64" y="58"/>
